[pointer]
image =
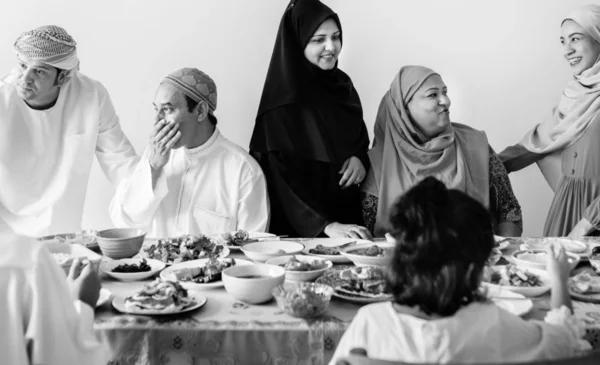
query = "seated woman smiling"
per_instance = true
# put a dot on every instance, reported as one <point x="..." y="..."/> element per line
<point x="439" y="314"/>
<point x="414" y="138"/>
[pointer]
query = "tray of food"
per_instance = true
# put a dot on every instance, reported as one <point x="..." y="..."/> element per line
<point x="330" y="248"/>
<point x="585" y="287"/>
<point x="160" y="297"/>
<point x="65" y="253"/>
<point x="527" y="281"/>
<point x="201" y="274"/>
<point x="184" y="248"/>
<point x="363" y="284"/>
<point x="370" y="254"/>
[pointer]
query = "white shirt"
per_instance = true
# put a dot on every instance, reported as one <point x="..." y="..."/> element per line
<point x="214" y="188"/>
<point x="38" y="318"/>
<point x="46" y="155"/>
<point x="477" y="333"/>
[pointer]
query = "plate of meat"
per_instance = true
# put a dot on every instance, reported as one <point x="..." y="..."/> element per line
<point x="357" y="284"/>
<point x="201" y="274"/>
<point x="330" y="248"/>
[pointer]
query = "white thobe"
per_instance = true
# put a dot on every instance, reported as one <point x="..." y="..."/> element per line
<point x="39" y="319"/>
<point x="477" y="333"/>
<point x="210" y="189"/>
<point x="46" y="155"/>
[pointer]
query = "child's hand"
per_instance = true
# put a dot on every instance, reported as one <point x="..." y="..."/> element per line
<point x="557" y="264"/>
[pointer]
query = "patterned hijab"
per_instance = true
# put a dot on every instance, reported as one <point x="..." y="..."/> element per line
<point x="579" y="103"/>
<point x="49" y="44"/>
<point x="402" y="156"/>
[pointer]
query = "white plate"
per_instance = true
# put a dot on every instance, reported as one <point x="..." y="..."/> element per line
<point x="514" y="303"/>
<point x="198" y="301"/>
<point x="330" y="242"/>
<point x="502" y="245"/>
<point x="108" y="267"/>
<point x="197" y="263"/>
<point x="104" y="297"/>
<point x="153" y="241"/>
<point x="570" y="245"/>
<point x="311" y="275"/>
<point x="333" y="279"/>
<point x="526" y="291"/>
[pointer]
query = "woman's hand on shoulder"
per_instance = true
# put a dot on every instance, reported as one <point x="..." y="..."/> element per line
<point x="352" y="171"/>
<point x="336" y="229"/>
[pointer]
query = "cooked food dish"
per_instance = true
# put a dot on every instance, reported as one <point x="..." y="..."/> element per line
<point x="130" y="268"/>
<point x="332" y="251"/>
<point x="236" y="238"/>
<point x="208" y="273"/>
<point x="367" y="281"/>
<point x="295" y="265"/>
<point x="584" y="284"/>
<point x="511" y="275"/>
<point x="184" y="248"/>
<point x="372" y="251"/>
<point x="303" y="302"/>
<point x="62" y="258"/>
<point x="160" y="295"/>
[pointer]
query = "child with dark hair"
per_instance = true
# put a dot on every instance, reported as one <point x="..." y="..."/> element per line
<point x="439" y="313"/>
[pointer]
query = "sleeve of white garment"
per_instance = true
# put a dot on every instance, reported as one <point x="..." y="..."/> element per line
<point x="115" y="153"/>
<point x="135" y="201"/>
<point x="356" y="336"/>
<point x="58" y="331"/>
<point x="253" y="208"/>
<point x="559" y="336"/>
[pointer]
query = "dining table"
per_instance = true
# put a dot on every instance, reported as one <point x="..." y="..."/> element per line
<point x="227" y="331"/>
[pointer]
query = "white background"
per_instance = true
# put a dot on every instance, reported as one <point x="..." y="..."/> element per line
<point x="501" y="60"/>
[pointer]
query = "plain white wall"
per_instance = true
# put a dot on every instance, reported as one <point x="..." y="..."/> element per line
<point x="501" y="60"/>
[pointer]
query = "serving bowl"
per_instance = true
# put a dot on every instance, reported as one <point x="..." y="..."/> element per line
<point x="252" y="284"/>
<point x="109" y="266"/>
<point x="363" y="260"/>
<point x="303" y="300"/>
<point x="263" y="250"/>
<point x="310" y="275"/>
<point x="120" y="243"/>
<point x="537" y="259"/>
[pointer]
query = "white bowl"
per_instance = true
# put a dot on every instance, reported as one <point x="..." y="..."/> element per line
<point x="570" y="245"/>
<point x="264" y="250"/>
<point x="526" y="291"/>
<point x="109" y="266"/>
<point x="302" y="275"/>
<point x="252" y="284"/>
<point x="537" y="259"/>
<point x="363" y="260"/>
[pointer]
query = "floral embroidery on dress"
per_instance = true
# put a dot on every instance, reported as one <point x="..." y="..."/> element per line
<point x="505" y="206"/>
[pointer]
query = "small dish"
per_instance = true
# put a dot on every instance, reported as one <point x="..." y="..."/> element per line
<point x="252" y="284"/>
<point x="303" y="300"/>
<point x="310" y="275"/>
<point x="120" y="243"/>
<point x="109" y="266"/>
<point x="360" y="259"/>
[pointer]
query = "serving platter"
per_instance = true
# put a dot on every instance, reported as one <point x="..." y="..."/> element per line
<point x="331" y="242"/>
<point x="332" y="279"/>
<point x="197" y="263"/>
<point x="198" y="300"/>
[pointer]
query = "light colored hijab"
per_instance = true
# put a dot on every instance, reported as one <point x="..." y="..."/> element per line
<point x="578" y="106"/>
<point x="402" y="156"/>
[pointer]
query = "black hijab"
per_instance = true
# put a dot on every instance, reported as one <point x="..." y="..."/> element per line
<point x="304" y="109"/>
